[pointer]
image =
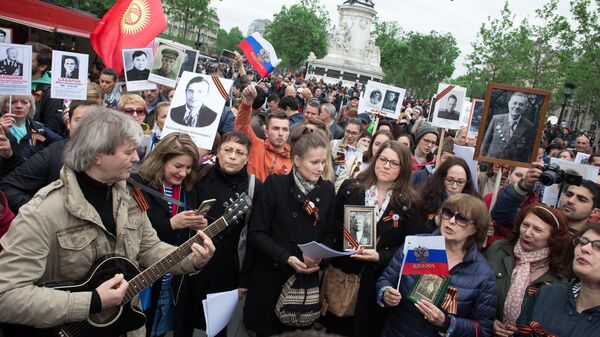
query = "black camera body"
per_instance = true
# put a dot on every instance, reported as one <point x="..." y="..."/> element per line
<point x="553" y="174"/>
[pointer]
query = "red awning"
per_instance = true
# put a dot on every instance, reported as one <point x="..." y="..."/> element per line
<point x="48" y="17"/>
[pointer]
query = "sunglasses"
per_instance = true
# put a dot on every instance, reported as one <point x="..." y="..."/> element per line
<point x="139" y="111"/>
<point x="461" y="219"/>
<point x="582" y="241"/>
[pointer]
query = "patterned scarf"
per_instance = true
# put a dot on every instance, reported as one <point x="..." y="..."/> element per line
<point x="303" y="184"/>
<point x="526" y="263"/>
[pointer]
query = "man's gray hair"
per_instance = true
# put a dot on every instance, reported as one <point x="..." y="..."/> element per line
<point x="99" y="132"/>
<point x="330" y="108"/>
<point x="521" y="94"/>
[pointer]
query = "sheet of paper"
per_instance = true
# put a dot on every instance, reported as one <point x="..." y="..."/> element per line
<point x="320" y="251"/>
<point x="466" y="153"/>
<point x="218" y="310"/>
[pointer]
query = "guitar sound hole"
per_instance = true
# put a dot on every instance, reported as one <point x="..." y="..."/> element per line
<point x="106" y="317"/>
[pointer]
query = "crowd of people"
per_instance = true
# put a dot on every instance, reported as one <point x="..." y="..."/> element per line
<point x="85" y="179"/>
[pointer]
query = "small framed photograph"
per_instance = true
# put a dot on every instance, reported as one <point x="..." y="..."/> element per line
<point x="359" y="221"/>
<point x="5" y="35"/>
<point x="167" y="61"/>
<point x="428" y="287"/>
<point x="382" y="97"/>
<point x="448" y="106"/>
<point x="511" y="125"/>
<point x="475" y="117"/>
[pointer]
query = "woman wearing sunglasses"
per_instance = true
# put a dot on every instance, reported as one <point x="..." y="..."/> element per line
<point x="384" y="184"/>
<point x="569" y="309"/>
<point x="453" y="177"/>
<point x="464" y="224"/>
<point x="135" y="106"/>
<point x="534" y="258"/>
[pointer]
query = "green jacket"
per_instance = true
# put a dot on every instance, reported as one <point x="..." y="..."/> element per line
<point x="501" y="257"/>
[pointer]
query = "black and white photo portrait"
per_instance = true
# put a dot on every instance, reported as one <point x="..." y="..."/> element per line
<point x="70" y="67"/>
<point x="194" y="113"/>
<point x="139" y="68"/>
<point x="189" y="61"/>
<point x="5" y="35"/>
<point x="375" y="97"/>
<point x="391" y="100"/>
<point x="359" y="221"/>
<point x="512" y="123"/>
<point x="449" y="111"/>
<point x="475" y="119"/>
<point x="12" y="63"/>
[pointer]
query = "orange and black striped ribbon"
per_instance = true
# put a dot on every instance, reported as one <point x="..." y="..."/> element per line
<point x="139" y="199"/>
<point x="350" y="239"/>
<point x="444" y="92"/>
<point x="534" y="329"/>
<point x="220" y="87"/>
<point x="450" y="302"/>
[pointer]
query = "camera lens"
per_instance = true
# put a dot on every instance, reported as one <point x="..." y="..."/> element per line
<point x="548" y="178"/>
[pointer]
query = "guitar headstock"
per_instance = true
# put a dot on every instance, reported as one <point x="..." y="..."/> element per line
<point x="236" y="208"/>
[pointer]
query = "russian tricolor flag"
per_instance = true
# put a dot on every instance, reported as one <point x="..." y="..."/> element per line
<point x="425" y="255"/>
<point x="260" y="53"/>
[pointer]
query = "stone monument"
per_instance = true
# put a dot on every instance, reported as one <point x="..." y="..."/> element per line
<point x="352" y="56"/>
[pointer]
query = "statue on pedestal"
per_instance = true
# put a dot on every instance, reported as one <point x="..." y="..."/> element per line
<point x="368" y="3"/>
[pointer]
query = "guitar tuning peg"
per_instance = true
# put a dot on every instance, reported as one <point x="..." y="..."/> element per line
<point x="226" y="204"/>
<point x="237" y="195"/>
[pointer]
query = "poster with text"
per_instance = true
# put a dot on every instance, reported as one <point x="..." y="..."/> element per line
<point x="137" y="62"/>
<point x="197" y="106"/>
<point x="69" y="75"/>
<point x="448" y="106"/>
<point x="385" y="98"/>
<point x="15" y="69"/>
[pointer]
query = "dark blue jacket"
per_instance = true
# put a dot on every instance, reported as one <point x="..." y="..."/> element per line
<point x="507" y="206"/>
<point x="476" y="284"/>
<point x="553" y="310"/>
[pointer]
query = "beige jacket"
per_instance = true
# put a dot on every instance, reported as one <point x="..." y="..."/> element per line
<point x="57" y="236"/>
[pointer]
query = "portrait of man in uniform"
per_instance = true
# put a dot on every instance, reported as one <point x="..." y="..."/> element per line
<point x="194" y="113"/>
<point x="11" y="65"/>
<point x="510" y="125"/>
<point x="450" y="111"/>
<point x="167" y="64"/>
<point x="139" y="71"/>
<point x="391" y="100"/>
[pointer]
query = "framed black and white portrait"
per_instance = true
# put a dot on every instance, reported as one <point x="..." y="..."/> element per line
<point x="475" y="117"/>
<point x="359" y="223"/>
<point x="5" y="35"/>
<point x="511" y="125"/>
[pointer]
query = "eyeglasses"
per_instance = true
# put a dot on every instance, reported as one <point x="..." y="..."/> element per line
<point x="230" y="150"/>
<point x="452" y="181"/>
<point x="461" y="219"/>
<point x="139" y="111"/>
<point x="384" y="160"/>
<point x="430" y="142"/>
<point x="582" y="241"/>
<point x="353" y="133"/>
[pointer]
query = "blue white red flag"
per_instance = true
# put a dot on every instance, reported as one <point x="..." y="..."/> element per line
<point x="425" y="255"/>
<point x="260" y="53"/>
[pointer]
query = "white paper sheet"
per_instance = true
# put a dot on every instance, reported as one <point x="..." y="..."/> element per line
<point x="320" y="251"/>
<point x="218" y="310"/>
<point x="466" y="153"/>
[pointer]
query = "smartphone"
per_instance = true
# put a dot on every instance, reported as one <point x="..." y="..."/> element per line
<point x="205" y="206"/>
<point x="229" y="54"/>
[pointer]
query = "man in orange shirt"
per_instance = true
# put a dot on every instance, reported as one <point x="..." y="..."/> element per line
<point x="270" y="156"/>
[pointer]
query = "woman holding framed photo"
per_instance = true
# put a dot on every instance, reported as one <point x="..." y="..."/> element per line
<point x="383" y="185"/>
<point x="537" y="256"/>
<point x="470" y="310"/>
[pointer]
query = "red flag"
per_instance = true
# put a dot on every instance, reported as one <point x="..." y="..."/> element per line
<point x="128" y="24"/>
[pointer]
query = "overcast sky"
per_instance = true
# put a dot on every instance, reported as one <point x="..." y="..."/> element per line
<point x="462" y="18"/>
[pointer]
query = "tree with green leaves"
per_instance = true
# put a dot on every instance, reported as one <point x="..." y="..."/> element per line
<point x="195" y="15"/>
<point x="297" y="30"/>
<point x="228" y="40"/>
<point x="418" y="62"/>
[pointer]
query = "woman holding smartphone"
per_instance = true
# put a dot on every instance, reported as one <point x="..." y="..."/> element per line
<point x="169" y="170"/>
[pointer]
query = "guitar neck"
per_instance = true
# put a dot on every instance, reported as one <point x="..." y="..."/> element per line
<point x="159" y="268"/>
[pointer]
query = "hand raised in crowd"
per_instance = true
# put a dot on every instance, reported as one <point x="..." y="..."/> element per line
<point x="5" y="149"/>
<point x="239" y="60"/>
<point x="432" y="314"/>
<point x="249" y="95"/>
<point x="532" y="175"/>
<point x="203" y="252"/>
<point x="363" y="254"/>
<point x="112" y="291"/>
<point x="502" y="330"/>
<point x="7" y="120"/>
<point x="391" y="297"/>
<point x="300" y="266"/>
<point x="188" y="219"/>
<point x="242" y="292"/>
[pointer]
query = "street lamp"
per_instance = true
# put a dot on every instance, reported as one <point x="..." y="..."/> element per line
<point x="567" y="92"/>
